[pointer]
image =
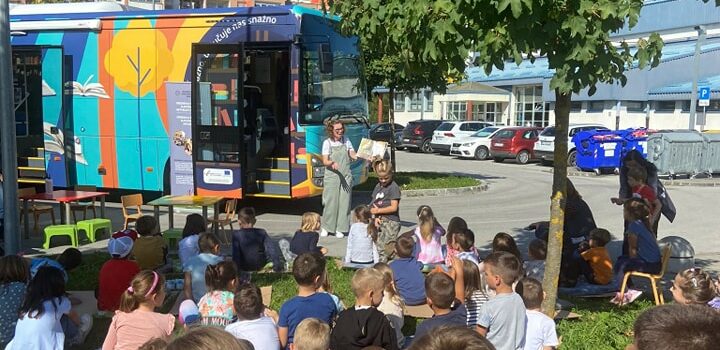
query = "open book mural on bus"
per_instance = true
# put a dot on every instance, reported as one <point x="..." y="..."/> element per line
<point x="55" y="142"/>
<point x="88" y="89"/>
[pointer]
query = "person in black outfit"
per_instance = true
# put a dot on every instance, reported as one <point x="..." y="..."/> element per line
<point x="363" y="325"/>
<point x="252" y="247"/>
<point x="306" y="238"/>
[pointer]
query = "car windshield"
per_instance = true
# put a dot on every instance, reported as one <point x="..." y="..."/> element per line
<point x="485" y="132"/>
<point x="445" y="127"/>
<point x="549" y="131"/>
<point x="505" y="134"/>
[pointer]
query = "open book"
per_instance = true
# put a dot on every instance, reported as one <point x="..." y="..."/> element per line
<point x="370" y="149"/>
<point x="88" y="89"/>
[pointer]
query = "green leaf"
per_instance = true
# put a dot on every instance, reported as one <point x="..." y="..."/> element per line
<point x="516" y="7"/>
<point x="502" y="5"/>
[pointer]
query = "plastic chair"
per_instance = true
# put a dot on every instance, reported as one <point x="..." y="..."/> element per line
<point x="654" y="278"/>
<point x="35" y="209"/>
<point x="60" y="230"/>
<point x="172" y="236"/>
<point x="128" y="202"/>
<point x="93" y="225"/>
<point x="226" y="218"/>
<point x="83" y="206"/>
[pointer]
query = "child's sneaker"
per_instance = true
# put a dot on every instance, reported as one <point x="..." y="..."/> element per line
<point x="631" y="295"/>
<point x="284" y="245"/>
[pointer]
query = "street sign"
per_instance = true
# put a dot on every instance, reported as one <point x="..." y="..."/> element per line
<point x="704" y="96"/>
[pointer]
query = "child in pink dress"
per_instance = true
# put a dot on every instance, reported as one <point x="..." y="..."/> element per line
<point x="428" y="234"/>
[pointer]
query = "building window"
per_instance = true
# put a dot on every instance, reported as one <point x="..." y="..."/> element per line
<point x="416" y="102"/>
<point x="634" y="106"/>
<point x="399" y="102"/>
<point x="456" y="110"/>
<point x="493" y="112"/>
<point x="575" y="106"/>
<point x="665" y="106"/>
<point x="713" y="107"/>
<point x="530" y="110"/>
<point x="596" y="106"/>
<point x="429" y="101"/>
<point x="478" y="110"/>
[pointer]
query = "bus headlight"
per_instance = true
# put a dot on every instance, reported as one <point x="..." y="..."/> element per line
<point x="318" y="170"/>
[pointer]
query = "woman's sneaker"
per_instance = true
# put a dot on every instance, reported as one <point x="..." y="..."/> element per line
<point x="339" y="234"/>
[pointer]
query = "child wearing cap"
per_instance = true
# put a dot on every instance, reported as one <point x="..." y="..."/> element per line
<point x="117" y="273"/>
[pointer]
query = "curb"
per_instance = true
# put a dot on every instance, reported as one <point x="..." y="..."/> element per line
<point x="702" y="182"/>
<point x="436" y="192"/>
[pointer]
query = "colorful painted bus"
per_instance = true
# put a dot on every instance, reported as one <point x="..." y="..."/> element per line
<point x="228" y="102"/>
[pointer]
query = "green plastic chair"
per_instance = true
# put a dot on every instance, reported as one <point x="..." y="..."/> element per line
<point x="60" y="230"/>
<point x="173" y="236"/>
<point x="93" y="225"/>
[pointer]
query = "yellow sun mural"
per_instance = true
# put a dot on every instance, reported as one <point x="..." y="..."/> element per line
<point x="132" y="58"/>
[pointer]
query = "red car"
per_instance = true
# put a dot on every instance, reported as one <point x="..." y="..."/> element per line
<point x="514" y="142"/>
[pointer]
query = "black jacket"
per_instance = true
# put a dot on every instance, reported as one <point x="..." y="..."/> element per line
<point x="356" y="329"/>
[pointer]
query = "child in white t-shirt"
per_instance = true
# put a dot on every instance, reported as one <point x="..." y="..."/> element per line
<point x="254" y="324"/>
<point x="540" y="331"/>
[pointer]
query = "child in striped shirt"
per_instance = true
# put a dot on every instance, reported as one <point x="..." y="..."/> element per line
<point x="475" y="292"/>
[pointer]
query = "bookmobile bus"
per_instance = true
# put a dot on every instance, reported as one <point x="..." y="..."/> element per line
<point x="225" y="102"/>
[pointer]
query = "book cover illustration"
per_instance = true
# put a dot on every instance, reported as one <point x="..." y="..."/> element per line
<point x="370" y="149"/>
<point x="88" y="89"/>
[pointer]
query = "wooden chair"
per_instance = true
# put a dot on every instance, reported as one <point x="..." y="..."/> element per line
<point x="226" y="218"/>
<point x="83" y="206"/>
<point x="654" y="279"/>
<point x="128" y="202"/>
<point x="35" y="209"/>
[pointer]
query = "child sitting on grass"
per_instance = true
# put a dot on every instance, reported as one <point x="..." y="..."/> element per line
<point x="252" y="248"/>
<point x="308" y="271"/>
<point x="540" y="330"/>
<point x="694" y="286"/>
<point x="445" y="296"/>
<point x="252" y="325"/>
<point x="14" y="276"/>
<point x="409" y="279"/>
<point x="150" y="250"/>
<point x="456" y="225"/>
<point x="188" y="246"/>
<point x="535" y="267"/>
<point x="194" y="283"/>
<point x="392" y="305"/>
<point x="427" y="235"/>
<point x="451" y="338"/>
<point x="463" y="243"/>
<point x="361" y="247"/>
<point x="311" y="334"/>
<point x="216" y="307"/>
<point x="503" y="242"/>
<point x="502" y="318"/>
<point x="117" y="273"/>
<point x="306" y="238"/>
<point x="674" y="326"/>
<point x="363" y="325"/>
<point x="326" y="287"/>
<point x="475" y="292"/>
<point x="66" y="262"/>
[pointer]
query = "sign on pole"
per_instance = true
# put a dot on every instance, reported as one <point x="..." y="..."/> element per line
<point x="704" y="96"/>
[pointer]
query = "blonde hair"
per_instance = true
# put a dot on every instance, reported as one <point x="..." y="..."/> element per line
<point x="389" y="281"/>
<point x="312" y="334"/>
<point x="383" y="167"/>
<point x="365" y="280"/>
<point x="144" y="286"/>
<point x="208" y="338"/>
<point x="310" y="221"/>
<point x="426" y="222"/>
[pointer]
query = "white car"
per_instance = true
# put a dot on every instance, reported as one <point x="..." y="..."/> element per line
<point x="446" y="134"/>
<point x="476" y="145"/>
<point x="545" y="145"/>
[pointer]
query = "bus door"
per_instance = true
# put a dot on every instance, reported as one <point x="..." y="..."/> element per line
<point x="218" y="142"/>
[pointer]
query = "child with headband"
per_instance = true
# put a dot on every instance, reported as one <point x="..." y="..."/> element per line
<point x="694" y="286"/>
<point x="137" y="322"/>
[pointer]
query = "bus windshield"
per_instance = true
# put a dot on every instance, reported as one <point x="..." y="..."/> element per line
<point x="330" y="89"/>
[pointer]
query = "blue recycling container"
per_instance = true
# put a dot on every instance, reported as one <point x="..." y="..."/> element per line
<point x="599" y="150"/>
<point x="635" y="139"/>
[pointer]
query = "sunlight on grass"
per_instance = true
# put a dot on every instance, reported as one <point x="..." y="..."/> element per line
<point x="421" y="181"/>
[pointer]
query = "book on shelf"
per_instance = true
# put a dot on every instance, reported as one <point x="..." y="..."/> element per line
<point x="224" y="117"/>
<point x="370" y="149"/>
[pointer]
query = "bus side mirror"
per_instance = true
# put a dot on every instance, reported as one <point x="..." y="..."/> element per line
<point x="326" y="59"/>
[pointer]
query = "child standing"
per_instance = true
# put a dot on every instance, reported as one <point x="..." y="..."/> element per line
<point x="540" y="331"/>
<point x="308" y="270"/>
<point x="428" y="234"/>
<point x="475" y="292"/>
<point x="535" y="267"/>
<point x="46" y="320"/>
<point x="385" y="206"/>
<point x="693" y="286"/>
<point x="188" y="246"/>
<point x="409" y="278"/>
<point x="252" y="247"/>
<point x="306" y="238"/>
<point x="637" y="179"/>
<point x="595" y="262"/>
<point x="117" y="273"/>
<point x="361" y="247"/>
<point x="194" y="284"/>
<point x="137" y="322"/>
<point x="150" y="250"/>
<point x="392" y="305"/>
<point x="252" y="324"/>
<point x="644" y="253"/>
<point x="363" y="325"/>
<point x="445" y="299"/>
<point x="216" y="307"/>
<point x="502" y="318"/>
<point x="14" y="274"/>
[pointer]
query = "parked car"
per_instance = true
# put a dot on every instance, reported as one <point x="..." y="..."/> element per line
<point x="382" y="132"/>
<point x="545" y="145"/>
<point x="476" y="145"/>
<point x="444" y="136"/>
<point x="417" y="134"/>
<point x="514" y="142"/>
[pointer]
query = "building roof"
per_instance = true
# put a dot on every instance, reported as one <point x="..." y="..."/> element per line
<point x="474" y="87"/>
<point x="686" y="87"/>
<point x="672" y="15"/>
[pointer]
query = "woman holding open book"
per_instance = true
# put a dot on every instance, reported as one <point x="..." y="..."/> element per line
<point x="337" y="153"/>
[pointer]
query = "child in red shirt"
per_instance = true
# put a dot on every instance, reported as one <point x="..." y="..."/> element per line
<point x="117" y="273"/>
<point x="637" y="179"/>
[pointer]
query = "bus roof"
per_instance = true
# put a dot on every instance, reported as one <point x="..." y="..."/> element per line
<point x="87" y="7"/>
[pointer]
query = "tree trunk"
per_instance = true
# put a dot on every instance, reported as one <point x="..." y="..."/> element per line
<point x="557" y="203"/>
<point x="391" y="109"/>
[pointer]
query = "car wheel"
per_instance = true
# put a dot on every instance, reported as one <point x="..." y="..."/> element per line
<point x="498" y="159"/>
<point x="426" y="147"/>
<point x="481" y="153"/>
<point x="572" y="158"/>
<point x="546" y="162"/>
<point x="523" y="157"/>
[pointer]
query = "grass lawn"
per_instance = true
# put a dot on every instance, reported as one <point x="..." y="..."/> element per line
<point x="421" y="181"/>
<point x="602" y="325"/>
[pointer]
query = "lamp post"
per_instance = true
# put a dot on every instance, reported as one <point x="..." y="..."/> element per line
<point x="696" y="72"/>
